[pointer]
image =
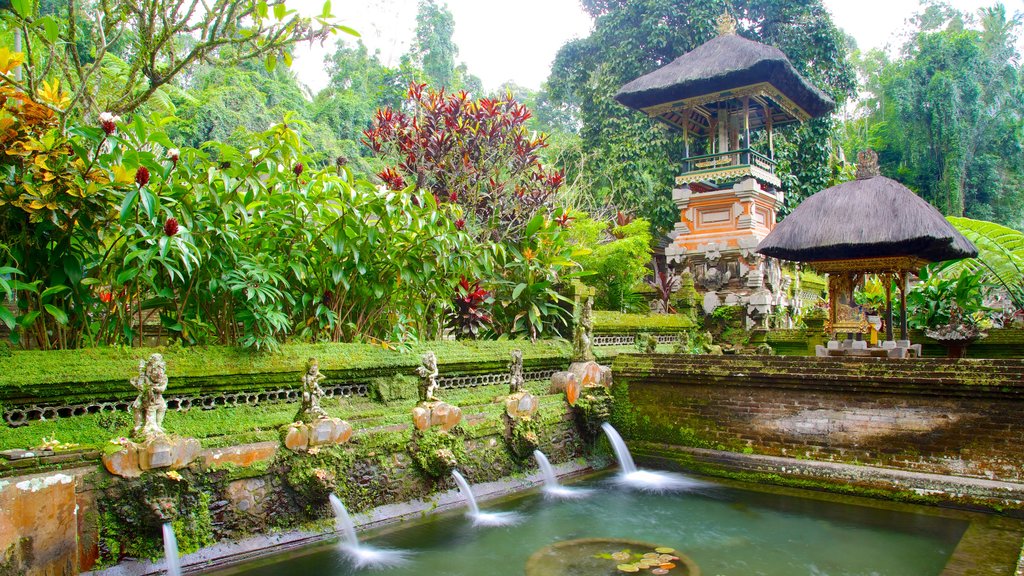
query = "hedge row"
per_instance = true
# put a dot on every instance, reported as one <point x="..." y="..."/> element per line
<point x="618" y="323"/>
<point x="101" y="373"/>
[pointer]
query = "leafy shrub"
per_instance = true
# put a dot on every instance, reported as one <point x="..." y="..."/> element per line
<point x="468" y="316"/>
<point x="618" y="261"/>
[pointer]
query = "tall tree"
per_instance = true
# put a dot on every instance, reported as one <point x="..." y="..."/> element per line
<point x="948" y="115"/>
<point x="137" y="47"/>
<point x="433" y="51"/>
<point x="638" y="158"/>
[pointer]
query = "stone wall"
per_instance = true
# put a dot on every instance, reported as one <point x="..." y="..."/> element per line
<point x="67" y="521"/>
<point x="1000" y="343"/>
<point x="930" y="415"/>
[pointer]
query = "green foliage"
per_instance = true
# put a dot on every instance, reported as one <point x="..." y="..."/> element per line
<point x="938" y="300"/>
<point x="638" y="158"/>
<point x="391" y="388"/>
<point x="128" y="55"/>
<point x="617" y="263"/>
<point x="946" y="116"/>
<point x="313" y="477"/>
<point x="1000" y="258"/>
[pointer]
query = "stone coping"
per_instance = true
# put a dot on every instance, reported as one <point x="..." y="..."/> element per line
<point x="225" y="554"/>
<point x="980" y="491"/>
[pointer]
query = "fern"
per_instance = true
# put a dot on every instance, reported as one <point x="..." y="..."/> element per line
<point x="1000" y="256"/>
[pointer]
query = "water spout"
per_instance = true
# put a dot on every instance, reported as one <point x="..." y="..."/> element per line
<point x="171" y="561"/>
<point x="621" y="451"/>
<point x="551" y="486"/>
<point x="644" y="479"/>
<point x="361" y="555"/>
<point x="483" y="518"/>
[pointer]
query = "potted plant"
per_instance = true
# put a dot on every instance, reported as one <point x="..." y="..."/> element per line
<point x="950" y="310"/>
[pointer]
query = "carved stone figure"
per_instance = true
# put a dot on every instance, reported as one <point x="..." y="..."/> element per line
<point x="428" y="375"/>
<point x="311" y="394"/>
<point x="515" y="370"/>
<point x="583" y="333"/>
<point x="149" y="407"/>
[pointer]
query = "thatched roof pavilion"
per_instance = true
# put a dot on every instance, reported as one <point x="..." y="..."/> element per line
<point x="726" y="69"/>
<point x="871" y="225"/>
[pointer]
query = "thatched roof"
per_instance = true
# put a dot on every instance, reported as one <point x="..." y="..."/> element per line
<point x="724" y="63"/>
<point x="872" y="217"/>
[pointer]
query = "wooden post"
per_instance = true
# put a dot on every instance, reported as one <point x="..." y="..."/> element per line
<point x="746" y="122"/>
<point x="686" y="131"/>
<point x="903" y="305"/>
<point x="888" y="305"/>
<point x="771" y="137"/>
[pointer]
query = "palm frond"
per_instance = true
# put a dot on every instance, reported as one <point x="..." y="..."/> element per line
<point x="1000" y="255"/>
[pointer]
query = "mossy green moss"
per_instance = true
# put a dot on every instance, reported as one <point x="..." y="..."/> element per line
<point x="437" y="452"/>
<point x="606" y="322"/>
<point x="392" y="388"/>
<point x="523" y="436"/>
<point x="131" y="513"/>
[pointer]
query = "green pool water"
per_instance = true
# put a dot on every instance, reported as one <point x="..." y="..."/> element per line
<point x="727" y="531"/>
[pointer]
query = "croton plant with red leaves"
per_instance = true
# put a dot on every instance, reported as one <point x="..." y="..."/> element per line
<point x="476" y="153"/>
<point x="468" y="316"/>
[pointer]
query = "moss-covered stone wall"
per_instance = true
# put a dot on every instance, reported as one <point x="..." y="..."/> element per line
<point x="930" y="415"/>
<point x="86" y="518"/>
<point x="1000" y="343"/>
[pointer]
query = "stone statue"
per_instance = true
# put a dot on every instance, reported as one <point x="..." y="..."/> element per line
<point x="428" y="375"/>
<point x="515" y="369"/>
<point x="583" y="334"/>
<point x="149" y="407"/>
<point x="311" y="394"/>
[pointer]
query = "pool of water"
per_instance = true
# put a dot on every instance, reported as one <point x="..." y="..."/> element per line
<point x="726" y="530"/>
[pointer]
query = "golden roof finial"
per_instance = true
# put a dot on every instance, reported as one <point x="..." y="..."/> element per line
<point x="726" y="24"/>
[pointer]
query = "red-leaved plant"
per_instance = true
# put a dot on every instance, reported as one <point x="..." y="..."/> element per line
<point x="477" y="154"/>
<point x="665" y="285"/>
<point x="468" y="316"/>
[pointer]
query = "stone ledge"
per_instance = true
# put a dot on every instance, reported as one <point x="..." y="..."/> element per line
<point x="224" y="554"/>
<point x="991" y="494"/>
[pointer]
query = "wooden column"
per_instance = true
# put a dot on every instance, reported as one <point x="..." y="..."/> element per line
<point x="903" y="305"/>
<point x="887" y="278"/>
<point x="746" y="122"/>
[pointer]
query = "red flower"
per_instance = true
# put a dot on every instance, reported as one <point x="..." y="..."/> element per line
<point x="298" y="169"/>
<point x="142" y="176"/>
<point x="171" y="226"/>
<point x="460" y="224"/>
<point x="453" y="197"/>
<point x="392" y="179"/>
<point x="109" y="122"/>
<point x="106" y="296"/>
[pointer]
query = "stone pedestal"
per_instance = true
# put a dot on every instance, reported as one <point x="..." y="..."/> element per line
<point x="300" y="436"/>
<point x="156" y="452"/>
<point x="521" y="405"/>
<point x="437" y="413"/>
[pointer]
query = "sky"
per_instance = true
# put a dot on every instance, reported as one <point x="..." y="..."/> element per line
<point x="517" y="42"/>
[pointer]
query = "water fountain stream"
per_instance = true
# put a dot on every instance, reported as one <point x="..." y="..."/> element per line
<point x="171" y="562"/>
<point x="644" y="479"/>
<point x="483" y="518"/>
<point x="551" y="486"/>
<point x="361" y="555"/>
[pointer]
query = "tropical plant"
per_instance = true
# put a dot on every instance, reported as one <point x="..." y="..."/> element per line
<point x="1000" y="256"/>
<point x="529" y="276"/>
<point x="468" y="316"/>
<point x="131" y="52"/>
<point x="476" y="154"/>
<point x="941" y="300"/>
<point x="665" y="286"/>
<point x="618" y="259"/>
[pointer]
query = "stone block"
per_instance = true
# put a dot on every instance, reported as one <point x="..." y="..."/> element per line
<point x="296" y="438"/>
<point x="560" y="381"/>
<point x="123" y="463"/>
<point x="521" y="405"/>
<point x="156" y="453"/>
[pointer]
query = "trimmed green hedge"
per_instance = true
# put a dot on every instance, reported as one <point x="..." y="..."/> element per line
<point x="101" y="373"/>
<point x="606" y="322"/>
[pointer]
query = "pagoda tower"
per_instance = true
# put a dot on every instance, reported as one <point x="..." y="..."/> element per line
<point x="719" y="96"/>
